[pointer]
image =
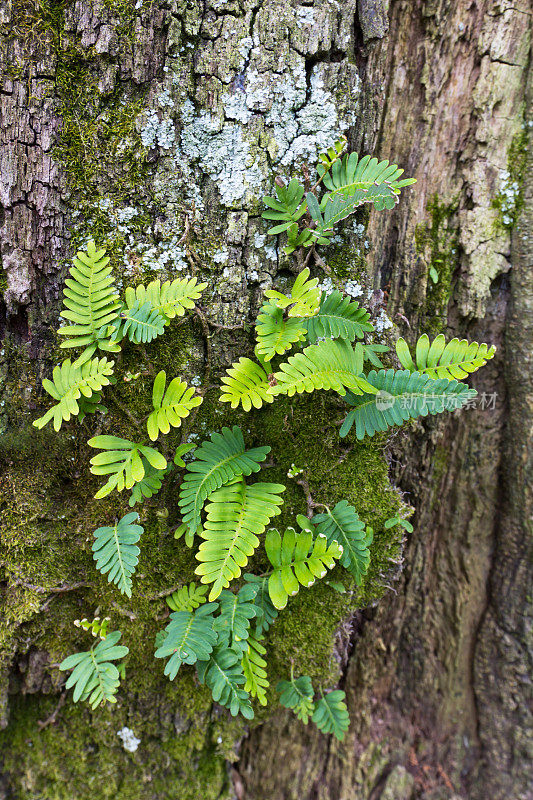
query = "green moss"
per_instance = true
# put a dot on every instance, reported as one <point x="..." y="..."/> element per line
<point x="510" y="199"/>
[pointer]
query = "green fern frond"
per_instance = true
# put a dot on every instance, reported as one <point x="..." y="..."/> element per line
<point x="254" y="668"/>
<point x="149" y="485"/>
<point x="331" y="715"/>
<point x="94" y="677"/>
<point x="216" y="462"/>
<point x="71" y="383"/>
<point x="453" y="361"/>
<point x="266" y="611"/>
<point x="187" y="598"/>
<point x="297" y="694"/>
<point x="338" y="318"/>
<point x="304" y="298"/>
<point x="327" y="365"/>
<point x="342" y="525"/>
<point x="297" y="560"/>
<point x="245" y="383"/>
<point x="287" y="208"/>
<point x="116" y="553"/>
<point x="353" y="175"/>
<point x="124" y="461"/>
<point x="275" y="333"/>
<point x="189" y="637"/>
<point x="90" y="302"/>
<point x="224" y="676"/>
<point x="401" y="395"/>
<point x="168" y="299"/>
<point x="140" y="323"/>
<point x="237" y="515"/>
<point x="233" y="622"/>
<point x="170" y="406"/>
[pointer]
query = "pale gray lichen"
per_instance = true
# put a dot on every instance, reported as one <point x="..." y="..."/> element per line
<point x="130" y="743"/>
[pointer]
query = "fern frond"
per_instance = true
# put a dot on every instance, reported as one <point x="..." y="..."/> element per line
<point x="327" y="365"/>
<point x="304" y="298"/>
<point x="342" y="525"/>
<point x="233" y="622"/>
<point x="168" y="299"/>
<point x="338" y="318"/>
<point x="237" y="515"/>
<point x="275" y="333"/>
<point x="90" y="302"/>
<point x="189" y="638"/>
<point x="297" y="694"/>
<point x="353" y="175"/>
<point x="116" y="553"/>
<point x="224" y="676"/>
<point x="71" y="383"/>
<point x="453" y="361"/>
<point x="246" y="383"/>
<point x="266" y="611"/>
<point x="94" y="677"/>
<point x="123" y="461"/>
<point x="140" y="323"/>
<point x="401" y="395"/>
<point x="297" y="560"/>
<point x="187" y="598"/>
<point x="170" y="406"/>
<point x="149" y="485"/>
<point x="331" y="715"/>
<point x="254" y="668"/>
<point x="216" y="462"/>
<point x="287" y="208"/>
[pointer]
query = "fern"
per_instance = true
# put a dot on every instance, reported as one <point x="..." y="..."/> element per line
<point x="94" y="677"/>
<point x="168" y="299"/>
<point x="187" y="598"/>
<point x="71" y="383"/>
<point x="189" y="638"/>
<point x="327" y="365"/>
<point x="303" y="300"/>
<point x="224" y="676"/>
<point x="353" y="176"/>
<point x="90" y="302"/>
<point x="254" y="668"/>
<point x="297" y="694"/>
<point x="216" y="462"/>
<point x="401" y="396"/>
<point x="342" y="525"/>
<point x="115" y="551"/>
<point x="124" y="461"/>
<point x="453" y="361"/>
<point x="149" y="485"/>
<point x="266" y="612"/>
<point x="287" y="208"/>
<point x="331" y="715"/>
<point x="297" y="560"/>
<point x="140" y="323"/>
<point x="233" y="623"/>
<point x="237" y="515"/>
<point x="170" y="406"/>
<point x="245" y="383"/>
<point x="338" y="317"/>
<point x="275" y="333"/>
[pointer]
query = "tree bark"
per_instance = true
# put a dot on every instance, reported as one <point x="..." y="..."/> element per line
<point x="184" y="112"/>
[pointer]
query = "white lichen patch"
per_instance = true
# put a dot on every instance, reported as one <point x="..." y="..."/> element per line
<point x="130" y="743"/>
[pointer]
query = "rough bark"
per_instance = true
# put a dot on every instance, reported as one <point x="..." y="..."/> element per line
<point x="436" y="672"/>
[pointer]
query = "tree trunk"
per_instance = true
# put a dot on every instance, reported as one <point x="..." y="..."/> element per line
<point x="156" y="127"/>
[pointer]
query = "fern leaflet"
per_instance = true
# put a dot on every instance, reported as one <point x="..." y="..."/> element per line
<point x="338" y="318"/>
<point x="237" y="515"/>
<point x="170" y="406"/>
<point x="236" y="611"/>
<point x="124" y="461"/>
<point x="115" y="551"/>
<point x="331" y="715"/>
<point x="246" y="383"/>
<point x="189" y="638"/>
<point x="297" y="560"/>
<point x="327" y="365"/>
<point x="168" y="299"/>
<point x="352" y="176"/>
<point x="401" y="396"/>
<point x="72" y="383"/>
<point x="216" y="462"/>
<point x="90" y="302"/>
<point x="224" y="676"/>
<point x="453" y="361"/>
<point x="187" y="598"/>
<point x="297" y="694"/>
<point x="303" y="300"/>
<point x="141" y="323"/>
<point x="149" y="485"/>
<point x="266" y="611"/>
<point x="94" y="677"/>
<point x="342" y="525"/>
<point x="254" y="668"/>
<point x="288" y="208"/>
<point x="275" y="333"/>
